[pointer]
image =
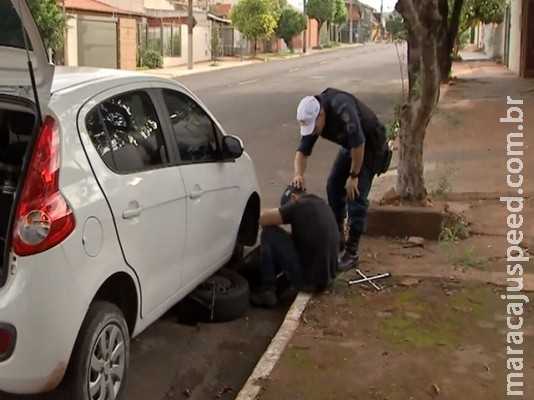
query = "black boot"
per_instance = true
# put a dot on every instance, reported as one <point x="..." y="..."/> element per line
<point x="350" y="257"/>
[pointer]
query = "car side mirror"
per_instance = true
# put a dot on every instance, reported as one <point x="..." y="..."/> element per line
<point x="232" y="147"/>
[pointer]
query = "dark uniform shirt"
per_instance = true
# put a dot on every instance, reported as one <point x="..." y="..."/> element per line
<point x="348" y="121"/>
<point x="315" y="234"/>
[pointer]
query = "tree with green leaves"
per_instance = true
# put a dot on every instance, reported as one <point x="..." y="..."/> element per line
<point x="395" y="27"/>
<point x="291" y="23"/>
<point x="215" y="43"/>
<point x="458" y="16"/>
<point x="322" y="11"/>
<point x="51" y="21"/>
<point x="256" y="19"/>
<point x="341" y="15"/>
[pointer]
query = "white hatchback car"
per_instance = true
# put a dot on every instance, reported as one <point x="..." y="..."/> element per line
<point x="119" y="195"/>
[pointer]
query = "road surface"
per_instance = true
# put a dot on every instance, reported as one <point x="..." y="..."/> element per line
<point x="257" y="103"/>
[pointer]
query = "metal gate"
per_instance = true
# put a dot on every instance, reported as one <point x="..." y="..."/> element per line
<point x="97" y="42"/>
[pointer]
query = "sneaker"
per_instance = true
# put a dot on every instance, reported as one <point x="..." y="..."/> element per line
<point x="265" y="298"/>
<point x="348" y="261"/>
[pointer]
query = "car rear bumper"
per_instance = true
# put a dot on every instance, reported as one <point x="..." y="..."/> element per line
<point x="43" y="304"/>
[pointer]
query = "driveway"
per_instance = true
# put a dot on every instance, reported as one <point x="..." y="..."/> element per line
<point x="174" y="360"/>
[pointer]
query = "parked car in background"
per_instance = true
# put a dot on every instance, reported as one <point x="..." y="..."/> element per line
<point x="120" y="194"/>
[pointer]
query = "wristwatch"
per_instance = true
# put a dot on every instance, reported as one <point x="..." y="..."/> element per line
<point x="354" y="175"/>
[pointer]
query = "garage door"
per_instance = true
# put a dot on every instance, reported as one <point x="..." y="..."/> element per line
<point x="97" y="43"/>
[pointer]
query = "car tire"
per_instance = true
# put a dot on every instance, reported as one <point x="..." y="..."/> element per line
<point x="230" y="294"/>
<point x="104" y="328"/>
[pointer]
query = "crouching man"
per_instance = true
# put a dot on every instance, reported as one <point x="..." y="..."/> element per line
<point x="308" y="255"/>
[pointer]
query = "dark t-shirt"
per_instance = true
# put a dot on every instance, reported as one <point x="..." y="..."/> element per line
<point x="316" y="236"/>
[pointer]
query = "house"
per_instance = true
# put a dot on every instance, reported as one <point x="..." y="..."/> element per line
<point x="100" y="35"/>
<point x="116" y="33"/>
<point x="512" y="41"/>
<point x="518" y="33"/>
<point x="164" y="28"/>
<point x="362" y="21"/>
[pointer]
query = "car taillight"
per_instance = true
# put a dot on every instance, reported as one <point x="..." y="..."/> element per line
<point x="8" y="337"/>
<point x="43" y="218"/>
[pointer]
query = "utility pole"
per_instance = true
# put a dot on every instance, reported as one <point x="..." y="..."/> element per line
<point x="190" y="34"/>
<point x="305" y="30"/>
<point x="351" y="34"/>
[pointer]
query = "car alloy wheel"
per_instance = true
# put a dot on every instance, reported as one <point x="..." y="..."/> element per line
<point x="108" y="363"/>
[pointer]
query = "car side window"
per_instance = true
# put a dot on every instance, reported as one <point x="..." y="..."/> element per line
<point x="126" y="132"/>
<point x="194" y="131"/>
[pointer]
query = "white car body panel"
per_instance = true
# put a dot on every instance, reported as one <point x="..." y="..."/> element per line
<point x="56" y="288"/>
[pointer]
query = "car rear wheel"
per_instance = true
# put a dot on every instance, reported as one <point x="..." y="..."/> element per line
<point x="99" y="367"/>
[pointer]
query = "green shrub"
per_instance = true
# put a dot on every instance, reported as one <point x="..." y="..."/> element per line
<point x="152" y="59"/>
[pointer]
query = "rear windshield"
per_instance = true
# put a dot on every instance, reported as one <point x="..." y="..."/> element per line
<point x="10" y="26"/>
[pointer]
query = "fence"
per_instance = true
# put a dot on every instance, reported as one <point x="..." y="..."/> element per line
<point x="164" y="38"/>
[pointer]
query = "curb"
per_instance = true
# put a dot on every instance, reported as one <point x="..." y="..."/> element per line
<point x="267" y="362"/>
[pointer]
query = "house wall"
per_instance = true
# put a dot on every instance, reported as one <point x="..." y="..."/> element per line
<point x="71" y="58"/>
<point x="515" y="36"/>
<point x="127" y="5"/>
<point x="201" y="45"/>
<point x="159" y="4"/>
<point x="128" y="43"/>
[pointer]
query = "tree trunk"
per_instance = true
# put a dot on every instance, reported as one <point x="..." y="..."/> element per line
<point x="443" y="40"/>
<point x="420" y="18"/>
<point x="255" y="50"/>
<point x="445" y="62"/>
<point x="414" y="63"/>
<point x="410" y="180"/>
<point x="319" y="26"/>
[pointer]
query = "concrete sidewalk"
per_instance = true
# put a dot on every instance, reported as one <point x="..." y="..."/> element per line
<point x="234" y="62"/>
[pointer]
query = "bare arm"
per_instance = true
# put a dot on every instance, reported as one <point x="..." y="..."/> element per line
<point x="357" y="158"/>
<point x="301" y="161"/>
<point x="271" y="217"/>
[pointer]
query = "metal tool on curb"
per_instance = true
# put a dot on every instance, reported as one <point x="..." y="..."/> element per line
<point x="369" y="279"/>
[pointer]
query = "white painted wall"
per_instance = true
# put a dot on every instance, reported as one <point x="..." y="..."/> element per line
<point x="72" y="41"/>
<point x="498" y="41"/>
<point x="201" y="46"/>
<point x="515" y="36"/>
<point x="158" y="4"/>
<point x="128" y="5"/>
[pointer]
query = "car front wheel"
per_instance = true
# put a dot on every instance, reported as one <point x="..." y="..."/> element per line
<point x="101" y="355"/>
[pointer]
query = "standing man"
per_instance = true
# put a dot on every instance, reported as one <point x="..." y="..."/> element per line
<point x="308" y="256"/>
<point x="341" y="118"/>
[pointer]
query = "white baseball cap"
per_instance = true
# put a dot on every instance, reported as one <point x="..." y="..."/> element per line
<point x="307" y="112"/>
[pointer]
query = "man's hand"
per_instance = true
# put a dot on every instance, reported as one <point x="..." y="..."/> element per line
<point x="298" y="182"/>
<point x="352" y="188"/>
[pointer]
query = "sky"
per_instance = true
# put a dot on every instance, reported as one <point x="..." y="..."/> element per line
<point x="388" y="4"/>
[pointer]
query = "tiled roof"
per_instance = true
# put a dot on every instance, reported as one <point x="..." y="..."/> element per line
<point x="222" y="10"/>
<point x="97" y="6"/>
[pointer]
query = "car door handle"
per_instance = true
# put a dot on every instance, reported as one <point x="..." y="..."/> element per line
<point x="132" y="212"/>
<point x="195" y="194"/>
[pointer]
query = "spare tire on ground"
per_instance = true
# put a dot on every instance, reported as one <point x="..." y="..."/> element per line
<point x="229" y="294"/>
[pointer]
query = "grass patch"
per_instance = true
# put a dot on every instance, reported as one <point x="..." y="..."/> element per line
<point x="299" y="358"/>
<point x="422" y="320"/>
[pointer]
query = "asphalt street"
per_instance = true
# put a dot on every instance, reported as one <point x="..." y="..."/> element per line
<point x="257" y="103"/>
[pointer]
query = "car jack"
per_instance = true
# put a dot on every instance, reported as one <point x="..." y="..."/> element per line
<point x="369" y="279"/>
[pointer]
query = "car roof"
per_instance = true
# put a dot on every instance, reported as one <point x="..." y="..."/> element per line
<point x="68" y="77"/>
